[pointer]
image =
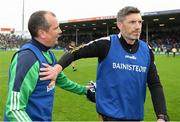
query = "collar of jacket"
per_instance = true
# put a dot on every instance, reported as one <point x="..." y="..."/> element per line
<point x="39" y="45"/>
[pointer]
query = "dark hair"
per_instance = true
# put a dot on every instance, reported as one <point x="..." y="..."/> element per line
<point x="126" y="11"/>
<point x="38" y="21"/>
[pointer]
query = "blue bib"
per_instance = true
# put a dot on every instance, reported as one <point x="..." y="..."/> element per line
<point x="121" y="81"/>
<point x="40" y="102"/>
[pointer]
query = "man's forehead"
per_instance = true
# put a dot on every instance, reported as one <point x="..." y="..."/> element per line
<point x="133" y="16"/>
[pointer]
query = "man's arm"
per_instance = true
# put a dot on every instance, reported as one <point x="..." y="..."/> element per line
<point x="22" y="81"/>
<point x="97" y="48"/>
<point x="156" y="90"/>
<point x="66" y="84"/>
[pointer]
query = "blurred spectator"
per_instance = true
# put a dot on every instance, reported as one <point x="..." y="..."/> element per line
<point x="11" y="41"/>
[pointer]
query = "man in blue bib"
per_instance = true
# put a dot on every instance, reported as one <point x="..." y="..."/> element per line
<point x="29" y="97"/>
<point x="125" y="67"/>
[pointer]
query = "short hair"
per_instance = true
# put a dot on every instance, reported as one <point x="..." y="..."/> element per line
<point x="38" y="21"/>
<point x="126" y="11"/>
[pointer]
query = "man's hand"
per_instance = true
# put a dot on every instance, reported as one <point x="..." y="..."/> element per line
<point x="49" y="72"/>
<point x="91" y="91"/>
<point x="161" y="120"/>
<point x="52" y="83"/>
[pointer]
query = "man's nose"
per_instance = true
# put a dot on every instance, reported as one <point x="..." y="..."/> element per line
<point x="59" y="31"/>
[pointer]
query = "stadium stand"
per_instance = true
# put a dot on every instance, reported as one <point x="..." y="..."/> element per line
<point x="161" y="29"/>
<point x="10" y="41"/>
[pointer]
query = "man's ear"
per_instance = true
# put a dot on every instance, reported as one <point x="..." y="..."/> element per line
<point x="41" y="33"/>
<point x="119" y="25"/>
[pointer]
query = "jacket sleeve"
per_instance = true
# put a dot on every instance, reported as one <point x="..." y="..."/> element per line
<point x="97" y="48"/>
<point x="156" y="89"/>
<point x="23" y="77"/>
<point x="66" y="84"/>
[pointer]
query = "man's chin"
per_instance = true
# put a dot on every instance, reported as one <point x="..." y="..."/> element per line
<point x="56" y="42"/>
<point x="135" y="38"/>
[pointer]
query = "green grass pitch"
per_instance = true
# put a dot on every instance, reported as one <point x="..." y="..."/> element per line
<point x="72" y="107"/>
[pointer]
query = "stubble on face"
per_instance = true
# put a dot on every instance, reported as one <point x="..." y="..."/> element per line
<point x="131" y="27"/>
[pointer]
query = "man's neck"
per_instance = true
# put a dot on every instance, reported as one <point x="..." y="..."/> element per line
<point x="40" y="45"/>
<point x="40" y="41"/>
<point x="128" y="41"/>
